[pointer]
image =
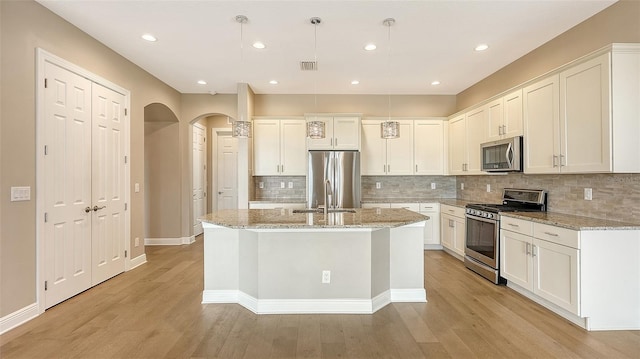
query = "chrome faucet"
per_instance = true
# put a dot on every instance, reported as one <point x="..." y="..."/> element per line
<point x="327" y="196"/>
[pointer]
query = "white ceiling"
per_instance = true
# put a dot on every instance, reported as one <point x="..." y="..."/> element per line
<point x="431" y="40"/>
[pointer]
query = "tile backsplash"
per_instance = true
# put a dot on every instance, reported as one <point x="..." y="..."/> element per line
<point x="615" y="196"/>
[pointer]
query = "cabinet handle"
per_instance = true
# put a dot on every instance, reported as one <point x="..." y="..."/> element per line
<point x="451" y="223"/>
<point x="528" y="249"/>
<point x="278" y="168"/>
<point x="416" y="168"/>
<point x="451" y="210"/>
<point x="500" y="130"/>
<point x="282" y="168"/>
<point x="336" y="142"/>
<point x="513" y="225"/>
<point x="551" y="234"/>
<point x="504" y="129"/>
<point x="563" y="161"/>
<point x="384" y="168"/>
<point x="388" y="168"/>
<point x="533" y="250"/>
<point x="555" y="161"/>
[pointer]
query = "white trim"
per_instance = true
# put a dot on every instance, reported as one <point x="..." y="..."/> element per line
<point x="18" y="317"/>
<point x="137" y="261"/>
<point x="42" y="57"/>
<point x="412" y="295"/>
<point x="169" y="241"/>
<point x="312" y="306"/>
<point x="433" y="247"/>
<point x="579" y="321"/>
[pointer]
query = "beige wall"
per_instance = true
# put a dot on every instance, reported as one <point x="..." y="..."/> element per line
<point x="618" y="23"/>
<point x="368" y="105"/>
<point x="26" y="25"/>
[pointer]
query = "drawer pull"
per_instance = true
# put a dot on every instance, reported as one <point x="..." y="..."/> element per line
<point x="513" y="225"/>
<point x="528" y="249"/>
<point x="551" y="234"/>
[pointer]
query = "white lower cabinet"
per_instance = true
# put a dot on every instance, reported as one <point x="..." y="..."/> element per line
<point x="432" y="226"/>
<point x="453" y="229"/>
<point x="590" y="277"/>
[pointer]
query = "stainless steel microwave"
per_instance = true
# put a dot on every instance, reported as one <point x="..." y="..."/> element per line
<point x="502" y="156"/>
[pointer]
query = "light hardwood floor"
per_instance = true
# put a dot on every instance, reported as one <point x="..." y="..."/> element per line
<point x="155" y="312"/>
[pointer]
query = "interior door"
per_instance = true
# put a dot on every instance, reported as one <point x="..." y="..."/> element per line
<point x="107" y="183"/>
<point x="67" y="163"/>
<point x="227" y="168"/>
<point x="199" y="177"/>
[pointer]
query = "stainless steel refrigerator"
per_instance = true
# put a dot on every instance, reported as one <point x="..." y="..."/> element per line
<point x="342" y="170"/>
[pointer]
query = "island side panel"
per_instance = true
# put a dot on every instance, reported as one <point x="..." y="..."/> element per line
<point x="380" y="264"/>
<point x="407" y="263"/>
<point x="291" y="264"/>
<point x="221" y="264"/>
<point x="248" y="263"/>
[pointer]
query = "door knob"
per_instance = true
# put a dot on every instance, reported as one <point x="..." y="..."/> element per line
<point x="220" y="192"/>
<point x="88" y="209"/>
<point x="96" y="208"/>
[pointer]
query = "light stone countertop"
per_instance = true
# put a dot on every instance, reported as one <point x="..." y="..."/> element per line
<point x="576" y="223"/>
<point x="286" y="219"/>
<point x="449" y="201"/>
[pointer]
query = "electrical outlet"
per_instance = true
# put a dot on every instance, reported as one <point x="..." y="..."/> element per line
<point x="290" y="185"/>
<point x="326" y="276"/>
<point x="136" y="187"/>
<point x="261" y="184"/>
<point x="462" y="186"/>
<point x="136" y="242"/>
<point x="378" y="185"/>
<point x="588" y="194"/>
<point x="20" y="194"/>
<point x="281" y="184"/>
<point x="433" y="185"/>
<point x="488" y="187"/>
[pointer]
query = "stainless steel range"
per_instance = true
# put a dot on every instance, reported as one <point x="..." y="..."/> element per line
<point x="482" y="241"/>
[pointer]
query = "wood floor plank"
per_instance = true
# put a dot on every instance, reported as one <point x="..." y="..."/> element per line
<point x="155" y="311"/>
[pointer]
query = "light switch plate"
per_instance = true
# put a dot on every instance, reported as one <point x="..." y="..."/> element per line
<point x="461" y="185"/>
<point x="290" y="185"/>
<point x="281" y="184"/>
<point x="136" y="187"/>
<point x="378" y="186"/>
<point x="20" y="194"/>
<point x="588" y="194"/>
<point x="261" y="184"/>
<point x="488" y="187"/>
<point x="433" y="185"/>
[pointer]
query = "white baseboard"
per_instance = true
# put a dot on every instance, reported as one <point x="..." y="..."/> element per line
<point x="433" y="247"/>
<point x="313" y="306"/>
<point x="169" y="241"/>
<point x="137" y="261"/>
<point x="18" y="317"/>
<point x="411" y="295"/>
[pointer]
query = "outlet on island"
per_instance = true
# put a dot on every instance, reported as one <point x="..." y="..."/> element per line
<point x="326" y="276"/>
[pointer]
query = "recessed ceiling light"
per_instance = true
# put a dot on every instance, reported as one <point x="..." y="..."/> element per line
<point x="273" y="82"/>
<point x="202" y="82"/>
<point x="149" y="37"/>
<point x="355" y="82"/>
<point x="370" y="47"/>
<point x="482" y="47"/>
<point x="259" y="45"/>
<point x="434" y="83"/>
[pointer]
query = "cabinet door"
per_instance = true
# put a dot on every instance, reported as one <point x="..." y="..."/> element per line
<point x="495" y="119"/>
<point x="447" y="231"/>
<point x="460" y="232"/>
<point x="325" y="143"/>
<point x="373" y="157"/>
<point x="515" y="260"/>
<point x="266" y="147"/>
<point x="585" y="121"/>
<point x="541" y="121"/>
<point x="293" y="148"/>
<point x="556" y="277"/>
<point x="428" y="147"/>
<point x="457" y="145"/>
<point x="346" y="133"/>
<point x="476" y="127"/>
<point x="512" y="119"/>
<point x="400" y="151"/>
<point x="432" y="228"/>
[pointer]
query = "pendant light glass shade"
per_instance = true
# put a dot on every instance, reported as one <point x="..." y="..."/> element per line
<point x="241" y="129"/>
<point x="315" y="129"/>
<point x="390" y="129"/>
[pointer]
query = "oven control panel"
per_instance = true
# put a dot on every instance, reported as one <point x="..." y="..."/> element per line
<point x="483" y="214"/>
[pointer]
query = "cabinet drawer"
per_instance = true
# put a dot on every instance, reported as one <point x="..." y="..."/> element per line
<point x="375" y="205"/>
<point x="410" y="206"/>
<point x="563" y="236"/>
<point x="452" y="210"/>
<point x="429" y="207"/>
<point x="516" y="225"/>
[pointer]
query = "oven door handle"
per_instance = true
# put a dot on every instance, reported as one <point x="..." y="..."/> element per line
<point x="487" y="220"/>
<point x="509" y="156"/>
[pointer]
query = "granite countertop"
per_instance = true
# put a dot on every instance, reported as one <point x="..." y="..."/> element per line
<point x="286" y="219"/>
<point x="577" y="223"/>
<point x="280" y="200"/>
<point x="448" y="201"/>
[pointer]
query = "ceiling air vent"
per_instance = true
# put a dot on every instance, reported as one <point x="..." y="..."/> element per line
<point x="308" y="66"/>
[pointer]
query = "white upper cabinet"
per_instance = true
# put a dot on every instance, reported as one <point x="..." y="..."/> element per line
<point x="429" y="147"/>
<point x="386" y="156"/>
<point x="279" y="147"/>
<point x="504" y="116"/>
<point x="466" y="133"/>
<point x="585" y="118"/>
<point x="342" y="133"/>
<point x="457" y="145"/>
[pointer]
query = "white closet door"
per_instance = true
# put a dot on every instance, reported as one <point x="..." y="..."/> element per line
<point x="67" y="163"/>
<point x="108" y="178"/>
<point x="199" y="177"/>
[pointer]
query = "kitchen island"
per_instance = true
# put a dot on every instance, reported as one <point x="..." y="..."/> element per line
<point x="281" y="261"/>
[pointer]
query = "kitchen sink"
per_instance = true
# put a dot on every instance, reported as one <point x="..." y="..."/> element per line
<point x="320" y="210"/>
<point x="341" y="210"/>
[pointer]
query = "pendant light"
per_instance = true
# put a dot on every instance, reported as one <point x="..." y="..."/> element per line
<point x="241" y="128"/>
<point x="315" y="129"/>
<point x="389" y="129"/>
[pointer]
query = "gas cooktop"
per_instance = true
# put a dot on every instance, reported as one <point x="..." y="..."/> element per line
<point x="515" y="200"/>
